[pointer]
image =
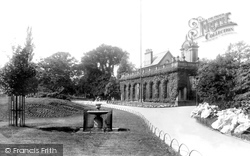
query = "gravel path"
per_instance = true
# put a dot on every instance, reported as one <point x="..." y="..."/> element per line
<point x="178" y="124"/>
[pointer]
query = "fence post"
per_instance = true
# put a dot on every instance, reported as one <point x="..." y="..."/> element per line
<point x="9" y="108"/>
<point x="16" y="114"/>
<point x="111" y="118"/>
<point x="23" y="111"/>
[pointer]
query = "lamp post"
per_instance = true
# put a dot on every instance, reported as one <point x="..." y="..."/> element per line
<point x="196" y="95"/>
<point x="196" y="83"/>
<point x="141" y="51"/>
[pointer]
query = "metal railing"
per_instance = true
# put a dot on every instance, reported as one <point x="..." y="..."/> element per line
<point x="182" y="148"/>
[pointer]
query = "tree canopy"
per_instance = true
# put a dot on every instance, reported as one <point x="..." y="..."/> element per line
<point x="125" y="66"/>
<point x="104" y="58"/>
<point x="112" y="89"/>
<point x="16" y="75"/>
<point x="57" y="72"/>
<point x="98" y="67"/>
<point x="225" y="80"/>
<point x="60" y="73"/>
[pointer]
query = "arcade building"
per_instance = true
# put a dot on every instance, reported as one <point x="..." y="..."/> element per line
<point x="164" y="78"/>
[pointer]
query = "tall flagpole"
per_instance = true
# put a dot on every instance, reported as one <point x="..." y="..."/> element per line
<point x="141" y="51"/>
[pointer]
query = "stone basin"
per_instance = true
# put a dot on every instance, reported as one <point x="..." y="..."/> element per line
<point x="97" y="112"/>
<point x="98" y="120"/>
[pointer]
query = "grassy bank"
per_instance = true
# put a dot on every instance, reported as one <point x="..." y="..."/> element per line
<point x="44" y="108"/>
<point x="60" y="124"/>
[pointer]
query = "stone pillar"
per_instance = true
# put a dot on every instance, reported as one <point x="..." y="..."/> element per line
<point x="127" y="96"/>
<point x="122" y="91"/>
<point x="185" y="93"/>
<point x="122" y="94"/>
<point x="138" y="91"/>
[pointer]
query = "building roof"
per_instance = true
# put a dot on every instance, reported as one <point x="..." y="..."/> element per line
<point x="157" y="58"/>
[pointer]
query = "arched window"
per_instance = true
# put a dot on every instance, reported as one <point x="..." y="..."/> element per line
<point x="144" y="91"/>
<point x="166" y="89"/>
<point x="125" y="92"/>
<point x="129" y="92"/>
<point x="158" y="89"/>
<point x="151" y="90"/>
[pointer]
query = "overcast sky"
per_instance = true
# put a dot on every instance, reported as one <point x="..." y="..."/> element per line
<point x="78" y="26"/>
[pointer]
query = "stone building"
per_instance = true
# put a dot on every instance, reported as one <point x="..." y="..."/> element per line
<point x="164" y="78"/>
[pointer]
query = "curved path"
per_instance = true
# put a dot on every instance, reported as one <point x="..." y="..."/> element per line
<point x="177" y="122"/>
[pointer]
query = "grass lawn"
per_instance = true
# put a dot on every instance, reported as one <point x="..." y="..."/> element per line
<point x="3" y="108"/>
<point x="57" y="122"/>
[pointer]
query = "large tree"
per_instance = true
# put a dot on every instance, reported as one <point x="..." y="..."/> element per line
<point x="225" y="80"/>
<point x="98" y="66"/>
<point x="125" y="66"/>
<point x="104" y="58"/>
<point x="242" y="87"/>
<point x="16" y="76"/>
<point x="57" y="72"/>
<point x="215" y="80"/>
<point x="112" y="89"/>
<point x="240" y="51"/>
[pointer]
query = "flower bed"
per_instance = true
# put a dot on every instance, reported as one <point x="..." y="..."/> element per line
<point x="144" y="104"/>
<point x="48" y="108"/>
<point x="229" y="121"/>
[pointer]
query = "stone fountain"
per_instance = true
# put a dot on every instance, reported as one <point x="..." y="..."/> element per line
<point x="97" y="120"/>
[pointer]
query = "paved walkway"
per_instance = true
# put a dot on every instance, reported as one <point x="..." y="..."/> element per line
<point x="178" y="123"/>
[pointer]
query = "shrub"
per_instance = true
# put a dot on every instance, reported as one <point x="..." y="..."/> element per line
<point x="63" y="96"/>
<point x="53" y="95"/>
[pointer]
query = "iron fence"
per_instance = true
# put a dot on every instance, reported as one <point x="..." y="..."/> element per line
<point x="182" y="148"/>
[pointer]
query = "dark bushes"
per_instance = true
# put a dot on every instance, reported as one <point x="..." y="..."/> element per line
<point x="53" y="95"/>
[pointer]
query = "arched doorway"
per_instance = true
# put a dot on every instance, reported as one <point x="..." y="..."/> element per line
<point x="166" y="89"/>
<point x="158" y="89"/>
<point x="144" y="91"/>
<point x="129" y="92"/>
<point x="151" y="90"/>
<point x="125" y="92"/>
<point x="134" y="91"/>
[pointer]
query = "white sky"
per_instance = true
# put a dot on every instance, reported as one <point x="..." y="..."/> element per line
<point x="78" y="26"/>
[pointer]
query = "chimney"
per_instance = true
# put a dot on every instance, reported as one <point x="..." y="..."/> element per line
<point x="148" y="57"/>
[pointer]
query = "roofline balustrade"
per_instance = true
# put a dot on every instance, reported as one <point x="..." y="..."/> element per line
<point x="160" y="69"/>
